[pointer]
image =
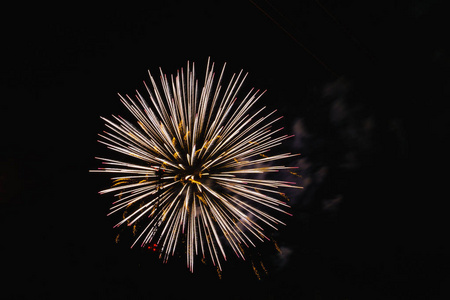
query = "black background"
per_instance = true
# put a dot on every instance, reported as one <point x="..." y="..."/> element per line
<point x="62" y="67"/>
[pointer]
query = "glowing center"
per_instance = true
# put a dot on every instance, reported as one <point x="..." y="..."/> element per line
<point x="192" y="174"/>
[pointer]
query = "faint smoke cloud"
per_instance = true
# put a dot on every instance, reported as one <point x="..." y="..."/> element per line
<point x="341" y="133"/>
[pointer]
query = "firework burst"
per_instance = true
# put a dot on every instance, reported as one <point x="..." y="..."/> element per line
<point x="189" y="165"/>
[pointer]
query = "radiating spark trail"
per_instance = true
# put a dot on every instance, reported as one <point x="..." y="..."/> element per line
<point x="188" y="165"/>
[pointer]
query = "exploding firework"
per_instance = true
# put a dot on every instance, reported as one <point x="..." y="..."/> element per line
<point x="189" y="167"/>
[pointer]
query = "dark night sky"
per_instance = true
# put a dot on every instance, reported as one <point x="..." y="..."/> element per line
<point x="366" y="104"/>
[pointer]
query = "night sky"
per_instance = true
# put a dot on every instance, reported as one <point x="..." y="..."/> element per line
<point x="363" y="85"/>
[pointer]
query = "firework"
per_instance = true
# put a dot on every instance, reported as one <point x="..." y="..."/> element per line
<point x="188" y="173"/>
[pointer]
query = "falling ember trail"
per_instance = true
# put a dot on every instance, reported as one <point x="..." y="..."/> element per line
<point x="188" y="162"/>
